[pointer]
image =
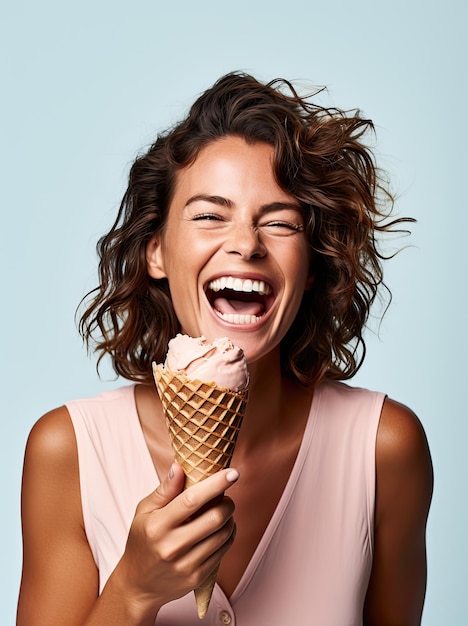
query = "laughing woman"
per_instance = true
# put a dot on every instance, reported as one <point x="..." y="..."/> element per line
<point x="255" y="218"/>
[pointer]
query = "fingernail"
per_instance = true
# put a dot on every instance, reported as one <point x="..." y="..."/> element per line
<point x="171" y="472"/>
<point x="232" y="476"/>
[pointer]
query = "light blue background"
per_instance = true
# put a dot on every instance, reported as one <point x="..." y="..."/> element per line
<point x="86" y="85"/>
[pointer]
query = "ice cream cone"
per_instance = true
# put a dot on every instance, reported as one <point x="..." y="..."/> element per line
<point x="203" y="421"/>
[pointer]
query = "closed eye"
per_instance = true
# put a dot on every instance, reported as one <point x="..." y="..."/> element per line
<point x="281" y="225"/>
<point x="207" y="216"/>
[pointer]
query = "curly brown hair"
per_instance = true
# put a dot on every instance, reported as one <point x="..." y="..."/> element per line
<point x="320" y="158"/>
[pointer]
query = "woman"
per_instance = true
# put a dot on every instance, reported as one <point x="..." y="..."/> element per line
<point x="330" y="486"/>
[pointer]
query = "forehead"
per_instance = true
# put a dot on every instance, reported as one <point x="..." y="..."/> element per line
<point x="230" y="166"/>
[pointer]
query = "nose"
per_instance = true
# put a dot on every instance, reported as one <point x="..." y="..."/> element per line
<point x="245" y="241"/>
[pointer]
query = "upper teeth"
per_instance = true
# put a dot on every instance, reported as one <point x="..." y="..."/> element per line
<point x="238" y="284"/>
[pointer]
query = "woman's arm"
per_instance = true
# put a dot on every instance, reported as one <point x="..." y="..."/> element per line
<point x="397" y="586"/>
<point x="59" y="581"/>
<point x="165" y="556"/>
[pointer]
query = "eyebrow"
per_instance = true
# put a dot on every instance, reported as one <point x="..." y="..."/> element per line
<point x="225" y="202"/>
<point x="213" y="199"/>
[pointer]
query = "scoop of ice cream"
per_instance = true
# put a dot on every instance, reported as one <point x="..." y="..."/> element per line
<point x="220" y="362"/>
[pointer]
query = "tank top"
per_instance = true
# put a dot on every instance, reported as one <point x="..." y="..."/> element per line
<point x="313" y="563"/>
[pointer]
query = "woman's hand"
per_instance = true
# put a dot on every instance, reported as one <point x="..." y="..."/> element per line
<point x="175" y="541"/>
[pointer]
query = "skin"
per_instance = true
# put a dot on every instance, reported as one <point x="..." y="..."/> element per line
<point x="228" y="217"/>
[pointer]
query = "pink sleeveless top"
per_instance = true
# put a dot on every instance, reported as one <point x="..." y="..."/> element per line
<point x="313" y="563"/>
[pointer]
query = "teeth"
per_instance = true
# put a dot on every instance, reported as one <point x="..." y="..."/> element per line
<point x="238" y="284"/>
<point x="234" y="318"/>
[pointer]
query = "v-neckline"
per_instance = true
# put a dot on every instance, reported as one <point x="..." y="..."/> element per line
<point x="141" y="436"/>
<point x="282" y="502"/>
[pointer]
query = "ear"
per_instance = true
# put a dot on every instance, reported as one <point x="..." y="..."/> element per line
<point x="154" y="258"/>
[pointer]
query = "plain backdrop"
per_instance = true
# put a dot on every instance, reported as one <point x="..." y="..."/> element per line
<point x="85" y="86"/>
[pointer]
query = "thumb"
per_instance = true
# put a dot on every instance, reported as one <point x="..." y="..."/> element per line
<point x="166" y="491"/>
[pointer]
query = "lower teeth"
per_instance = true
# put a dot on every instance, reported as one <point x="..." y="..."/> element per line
<point x="235" y="318"/>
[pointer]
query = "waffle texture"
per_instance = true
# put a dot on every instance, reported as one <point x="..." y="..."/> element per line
<point x="203" y="421"/>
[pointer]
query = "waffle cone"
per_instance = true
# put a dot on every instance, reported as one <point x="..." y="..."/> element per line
<point x="203" y="421"/>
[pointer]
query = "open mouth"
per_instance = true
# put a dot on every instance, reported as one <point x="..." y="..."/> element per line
<point x="239" y="300"/>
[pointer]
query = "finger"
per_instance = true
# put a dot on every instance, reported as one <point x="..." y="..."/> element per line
<point x="214" y="518"/>
<point x="185" y="505"/>
<point x="218" y="544"/>
<point x="206" y="555"/>
<point x="166" y="491"/>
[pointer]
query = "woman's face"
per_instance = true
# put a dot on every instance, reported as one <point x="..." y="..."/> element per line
<point x="234" y="249"/>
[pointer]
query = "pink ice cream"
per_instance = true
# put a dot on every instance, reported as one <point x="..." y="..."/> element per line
<point x="220" y="362"/>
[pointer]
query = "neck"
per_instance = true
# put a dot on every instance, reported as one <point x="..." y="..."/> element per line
<point x="275" y="406"/>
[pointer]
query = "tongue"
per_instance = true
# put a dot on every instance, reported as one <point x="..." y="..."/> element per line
<point x="238" y="306"/>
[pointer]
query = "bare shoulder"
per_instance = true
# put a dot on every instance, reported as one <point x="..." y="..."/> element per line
<point x="56" y="554"/>
<point x="404" y="483"/>
<point x="52" y="440"/>
<point x="50" y="490"/>
<point x="51" y="457"/>
<point x="402" y="446"/>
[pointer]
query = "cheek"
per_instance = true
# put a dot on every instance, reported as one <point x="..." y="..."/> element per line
<point x="183" y="265"/>
<point x="179" y="255"/>
<point x="297" y="265"/>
